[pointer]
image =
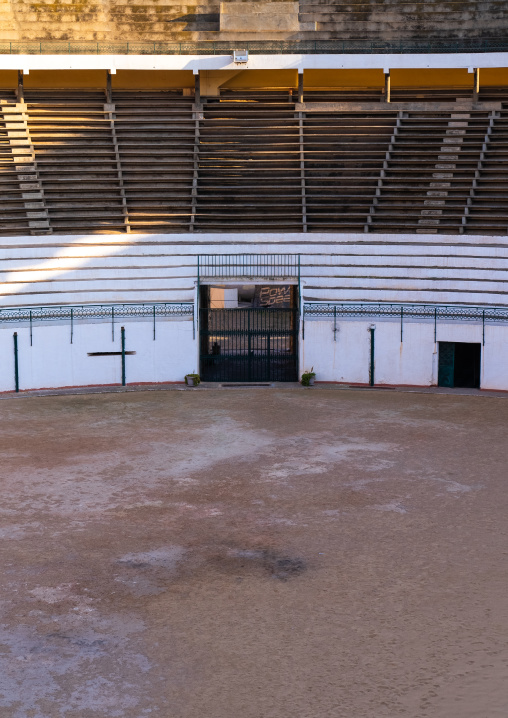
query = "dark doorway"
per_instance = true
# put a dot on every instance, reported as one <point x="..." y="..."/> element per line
<point x="459" y="364"/>
<point x="250" y="343"/>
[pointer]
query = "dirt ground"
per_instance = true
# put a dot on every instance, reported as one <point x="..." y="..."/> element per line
<point x="254" y="553"/>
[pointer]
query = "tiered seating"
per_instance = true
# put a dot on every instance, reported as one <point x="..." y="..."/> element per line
<point x="488" y="210"/>
<point x="156" y="135"/>
<point x="346" y="94"/>
<point x="430" y="171"/>
<point x="344" y="155"/>
<point x="430" y="94"/>
<point x="73" y="141"/>
<point x="391" y="21"/>
<point x="246" y="162"/>
<point x="249" y="166"/>
<point x="13" y="217"/>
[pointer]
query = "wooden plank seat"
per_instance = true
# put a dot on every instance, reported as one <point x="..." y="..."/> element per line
<point x="155" y="133"/>
<point x="71" y="134"/>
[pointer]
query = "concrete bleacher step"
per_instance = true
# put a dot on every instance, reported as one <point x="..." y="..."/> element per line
<point x="154" y="161"/>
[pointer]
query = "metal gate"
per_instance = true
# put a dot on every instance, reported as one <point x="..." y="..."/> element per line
<point x="249" y="345"/>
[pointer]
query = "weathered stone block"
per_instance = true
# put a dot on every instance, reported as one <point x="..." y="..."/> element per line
<point x="259" y="16"/>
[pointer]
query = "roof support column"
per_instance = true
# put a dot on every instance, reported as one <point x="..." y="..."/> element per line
<point x="388" y="86"/>
<point x="476" y="83"/>
<point x="300" y="85"/>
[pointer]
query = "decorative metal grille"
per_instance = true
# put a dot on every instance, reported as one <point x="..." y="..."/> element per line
<point x="406" y="311"/>
<point x="434" y="312"/>
<point x="249" y="266"/>
<point x="106" y="311"/>
<point x="266" y="47"/>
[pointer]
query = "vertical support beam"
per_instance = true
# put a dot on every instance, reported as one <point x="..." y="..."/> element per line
<point x="388" y="86"/>
<point x="476" y="84"/>
<point x="16" y="367"/>
<point x="122" y="331"/>
<point x="20" y="92"/>
<point x="300" y="86"/>
<point x="372" y="329"/>
<point x="109" y="89"/>
<point x="197" y="89"/>
<point x="301" y="116"/>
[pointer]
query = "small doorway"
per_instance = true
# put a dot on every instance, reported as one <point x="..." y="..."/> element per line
<point x="249" y="333"/>
<point x="459" y="364"/>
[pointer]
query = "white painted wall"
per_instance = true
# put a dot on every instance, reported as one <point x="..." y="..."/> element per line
<point x="52" y="361"/>
<point x="413" y="362"/>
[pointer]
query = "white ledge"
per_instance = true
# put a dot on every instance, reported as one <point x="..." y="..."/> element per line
<point x="302" y="62"/>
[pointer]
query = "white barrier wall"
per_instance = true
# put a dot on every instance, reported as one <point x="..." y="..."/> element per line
<point x="52" y="361"/>
<point x="412" y="362"/>
<point x="403" y="268"/>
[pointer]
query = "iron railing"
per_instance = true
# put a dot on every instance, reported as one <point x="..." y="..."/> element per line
<point x="263" y="47"/>
<point x="112" y="312"/>
<point x="96" y="311"/>
<point x="249" y="266"/>
<point x="432" y="312"/>
<point x="464" y="312"/>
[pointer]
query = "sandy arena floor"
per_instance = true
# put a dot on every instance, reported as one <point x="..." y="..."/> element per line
<point x="262" y="553"/>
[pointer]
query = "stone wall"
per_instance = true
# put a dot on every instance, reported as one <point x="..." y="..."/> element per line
<point x="163" y="20"/>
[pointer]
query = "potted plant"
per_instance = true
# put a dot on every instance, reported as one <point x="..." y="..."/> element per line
<point x="308" y="377"/>
<point x="192" y="379"/>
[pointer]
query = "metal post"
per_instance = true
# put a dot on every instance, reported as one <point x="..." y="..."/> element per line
<point x="476" y="84"/>
<point x="334" y="322"/>
<point x="72" y="324"/>
<point x="20" y="91"/>
<point x="300" y="86"/>
<point x="30" y="327"/>
<point x="483" y="327"/>
<point x="109" y="91"/>
<point x="401" y="324"/>
<point x="123" y="355"/>
<point x="197" y="89"/>
<point x="154" y="322"/>
<point x="371" y="370"/>
<point x="435" y="325"/>
<point x="16" y="368"/>
<point x="388" y="87"/>
<point x="113" y="324"/>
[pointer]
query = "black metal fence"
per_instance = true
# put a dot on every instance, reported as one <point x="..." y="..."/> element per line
<point x="269" y="267"/>
<point x="250" y="345"/>
<point x="261" y="47"/>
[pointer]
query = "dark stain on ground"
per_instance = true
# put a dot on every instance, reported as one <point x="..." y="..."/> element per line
<point x="264" y="561"/>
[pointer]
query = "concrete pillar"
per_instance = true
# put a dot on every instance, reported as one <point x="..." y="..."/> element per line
<point x="388" y="86"/>
<point x="197" y="88"/>
<point x="109" y="92"/>
<point x="20" y="93"/>
<point x="476" y="84"/>
<point x="300" y="86"/>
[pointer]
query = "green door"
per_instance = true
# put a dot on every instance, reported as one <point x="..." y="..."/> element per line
<point x="446" y="364"/>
